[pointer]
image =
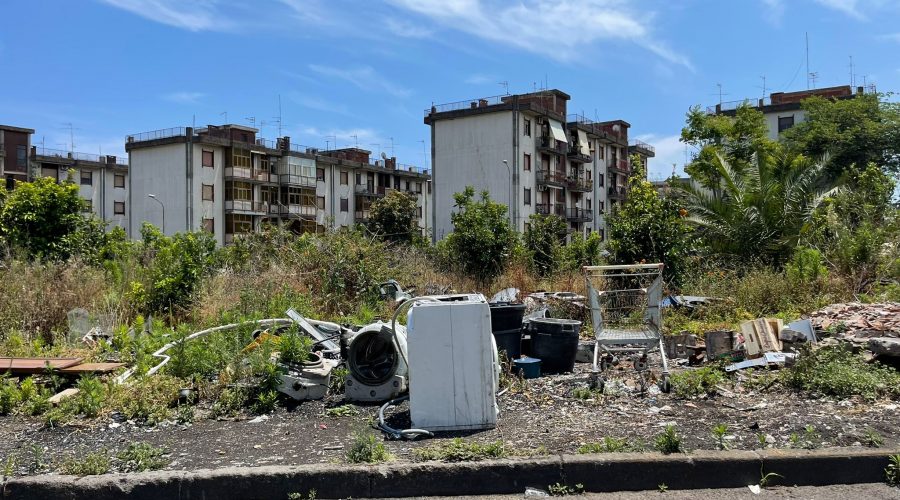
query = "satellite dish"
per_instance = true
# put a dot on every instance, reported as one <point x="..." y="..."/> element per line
<point x="383" y="156"/>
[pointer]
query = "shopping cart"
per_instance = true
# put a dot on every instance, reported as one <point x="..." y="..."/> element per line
<point x="626" y="316"/>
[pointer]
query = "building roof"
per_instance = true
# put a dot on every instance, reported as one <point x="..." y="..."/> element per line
<point x="16" y="129"/>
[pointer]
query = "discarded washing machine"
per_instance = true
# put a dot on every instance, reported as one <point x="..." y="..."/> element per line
<point x="453" y="364"/>
<point x="309" y="380"/>
<point x="377" y="369"/>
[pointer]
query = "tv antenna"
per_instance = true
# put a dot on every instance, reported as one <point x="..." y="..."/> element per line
<point x="392" y="147"/>
<point x="327" y="142"/>
<point x="277" y="119"/>
<point x="720" y="93"/>
<point x="505" y="85"/>
<point x="852" y="83"/>
<point x="72" y="130"/>
<point x="251" y="120"/>
<point x="356" y="140"/>
<point x="764" y="88"/>
<point x="424" y="155"/>
<point x="225" y="114"/>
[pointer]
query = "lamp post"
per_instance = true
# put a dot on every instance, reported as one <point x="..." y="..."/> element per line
<point x="154" y="198"/>
<point x="510" y="207"/>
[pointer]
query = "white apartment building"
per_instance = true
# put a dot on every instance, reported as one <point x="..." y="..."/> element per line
<point x="530" y="155"/>
<point x="225" y="180"/>
<point x="102" y="180"/>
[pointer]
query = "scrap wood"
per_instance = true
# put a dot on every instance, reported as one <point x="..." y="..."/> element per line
<point x="92" y="368"/>
<point x="33" y="366"/>
<point x="58" y="397"/>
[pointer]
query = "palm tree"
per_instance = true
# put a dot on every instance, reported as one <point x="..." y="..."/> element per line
<point x="760" y="211"/>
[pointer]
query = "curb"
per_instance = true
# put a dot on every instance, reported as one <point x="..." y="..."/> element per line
<point x="598" y="473"/>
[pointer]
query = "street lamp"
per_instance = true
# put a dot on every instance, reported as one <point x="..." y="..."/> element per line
<point x="508" y="171"/>
<point x="154" y="198"/>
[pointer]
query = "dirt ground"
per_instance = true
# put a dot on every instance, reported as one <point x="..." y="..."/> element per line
<point x="543" y="418"/>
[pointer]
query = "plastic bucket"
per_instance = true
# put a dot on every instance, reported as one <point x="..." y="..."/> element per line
<point x="555" y="342"/>
<point x="505" y="317"/>
<point x="528" y="367"/>
<point x="509" y="341"/>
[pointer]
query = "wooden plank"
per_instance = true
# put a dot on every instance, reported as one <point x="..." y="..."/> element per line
<point x="92" y="368"/>
<point x="67" y="393"/>
<point x="776" y="324"/>
<point x="751" y="342"/>
<point x="31" y="366"/>
<point x="768" y="341"/>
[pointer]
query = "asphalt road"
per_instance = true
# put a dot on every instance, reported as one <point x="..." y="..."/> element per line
<point x="837" y="492"/>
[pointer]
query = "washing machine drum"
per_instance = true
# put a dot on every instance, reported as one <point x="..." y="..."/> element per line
<point x="372" y="357"/>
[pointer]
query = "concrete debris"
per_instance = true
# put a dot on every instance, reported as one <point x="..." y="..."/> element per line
<point x="885" y="346"/>
<point x="507" y="295"/>
<point x="855" y="319"/>
<point x="259" y="419"/>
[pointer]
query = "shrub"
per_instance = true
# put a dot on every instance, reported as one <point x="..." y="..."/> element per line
<point x="9" y="395"/>
<point x="393" y="217"/>
<point x="294" y="348"/>
<point x="583" y="251"/>
<point x="90" y="398"/>
<point x="147" y="400"/>
<point x="482" y="239"/>
<point x="91" y="464"/>
<point x="696" y="382"/>
<point x="266" y="402"/>
<point x="892" y="471"/>
<point x="609" y="445"/>
<point x="367" y="448"/>
<point x="142" y="457"/>
<point x="543" y="240"/>
<point x="837" y="371"/>
<point x="460" y="450"/>
<point x="668" y="441"/>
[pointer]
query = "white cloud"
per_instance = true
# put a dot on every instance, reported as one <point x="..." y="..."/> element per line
<point x="894" y="37"/>
<point x="849" y="7"/>
<point x="407" y="29"/>
<point x="343" y="138"/>
<point x="559" y="29"/>
<point x="184" y="97"/>
<point x="669" y="151"/>
<point x="194" y="15"/>
<point x="479" y="79"/>
<point x="774" y="11"/>
<point x="318" y="104"/>
<point x="362" y="77"/>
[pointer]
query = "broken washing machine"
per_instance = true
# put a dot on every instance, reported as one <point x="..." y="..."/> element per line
<point x="377" y="369"/>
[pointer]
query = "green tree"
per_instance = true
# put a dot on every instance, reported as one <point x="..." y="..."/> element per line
<point x="394" y="217"/>
<point x="45" y="219"/>
<point x="583" y="251"/>
<point x="648" y="228"/>
<point x="543" y="240"/>
<point x="737" y="138"/>
<point x="852" y="132"/>
<point x="482" y="239"/>
<point x="762" y="211"/>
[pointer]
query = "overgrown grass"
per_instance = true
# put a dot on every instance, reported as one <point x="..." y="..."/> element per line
<point x="608" y="445"/>
<point x="142" y="457"/>
<point x="460" y="450"/>
<point x="91" y="464"/>
<point x="367" y="448"/>
<point x="668" y="441"/>
<point x="696" y="382"/>
<point x="837" y="371"/>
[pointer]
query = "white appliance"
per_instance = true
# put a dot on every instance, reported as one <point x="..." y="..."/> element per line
<point x="453" y="366"/>
<point x="376" y="370"/>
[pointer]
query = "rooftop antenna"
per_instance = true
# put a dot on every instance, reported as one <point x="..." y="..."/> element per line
<point x="720" y="93"/>
<point x="251" y="120"/>
<point x="356" y="140"/>
<point x="424" y="155"/>
<point x="277" y="119"/>
<point x="852" y="83"/>
<point x="813" y="77"/>
<point x="764" y="88"/>
<point x="225" y="114"/>
<point x="71" y="134"/>
<point x="392" y="147"/>
<point x="505" y="85"/>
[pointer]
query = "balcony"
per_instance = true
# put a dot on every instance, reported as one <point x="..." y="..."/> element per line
<point x="642" y="148"/>
<point x="297" y="180"/>
<point x="618" y="192"/>
<point x="620" y="165"/>
<point x="552" y="178"/>
<point x="308" y="211"/>
<point x="362" y="216"/>
<point x="550" y="209"/>
<point x="264" y="176"/>
<point x="578" y="183"/>
<point x="257" y="207"/>
<point x="243" y="173"/>
<point x="370" y="189"/>
<point x="548" y="144"/>
<point x="575" y="154"/>
<point x="576" y="214"/>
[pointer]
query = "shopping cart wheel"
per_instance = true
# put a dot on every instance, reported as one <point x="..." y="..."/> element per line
<point x="640" y="363"/>
<point x="664" y="384"/>
<point x="597" y="381"/>
<point x="607" y="362"/>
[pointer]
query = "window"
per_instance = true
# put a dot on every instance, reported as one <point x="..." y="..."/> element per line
<point x="87" y="178"/>
<point x="406" y="183"/>
<point x="396" y="183"/>
<point x="345" y="205"/>
<point x="345" y="178"/>
<point x="320" y="202"/>
<point x="119" y="181"/>
<point x="419" y="212"/>
<point x="208" y="191"/>
<point x="602" y="234"/>
<point x="52" y="172"/>
<point x="208" y="159"/>
<point x="528" y="196"/>
<point x="526" y="162"/>
<point x="600" y="151"/>
<point x="589" y="207"/>
<point x="527" y="227"/>
<point x="429" y="187"/>
<point x="588" y="174"/>
<point x="242" y="191"/>
<point x="87" y="206"/>
<point x="240" y="158"/>
<point x="528" y="127"/>
<point x="600" y="180"/>
<point x="320" y="174"/>
<point x="209" y="225"/>
<point x="419" y="187"/>
<point x="119" y="208"/>
<point x="238" y="223"/>
<point x="600" y="207"/>
<point x="785" y="122"/>
<point x="21" y="156"/>
<point x="359" y="180"/>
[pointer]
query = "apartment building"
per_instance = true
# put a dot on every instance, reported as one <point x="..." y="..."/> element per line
<point x="783" y="110"/>
<point x="15" y="146"/>
<point x="226" y="180"/>
<point x="529" y="154"/>
<point x="102" y="180"/>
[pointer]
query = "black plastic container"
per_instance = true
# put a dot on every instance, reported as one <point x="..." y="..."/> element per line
<point x="555" y="342"/>
<point x="506" y="325"/>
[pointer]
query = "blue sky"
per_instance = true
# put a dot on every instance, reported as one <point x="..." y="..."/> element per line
<point x="362" y="72"/>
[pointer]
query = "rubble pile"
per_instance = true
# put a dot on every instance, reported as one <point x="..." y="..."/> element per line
<point x="855" y="319"/>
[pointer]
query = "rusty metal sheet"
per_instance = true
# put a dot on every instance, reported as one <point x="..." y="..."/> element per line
<point x="31" y="366"/>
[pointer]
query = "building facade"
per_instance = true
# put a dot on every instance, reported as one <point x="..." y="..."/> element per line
<point x="529" y="154"/>
<point x="227" y="181"/>
<point x="783" y="110"/>
<point x="15" y="157"/>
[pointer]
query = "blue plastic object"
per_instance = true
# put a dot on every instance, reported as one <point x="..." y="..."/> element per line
<point x="528" y="367"/>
